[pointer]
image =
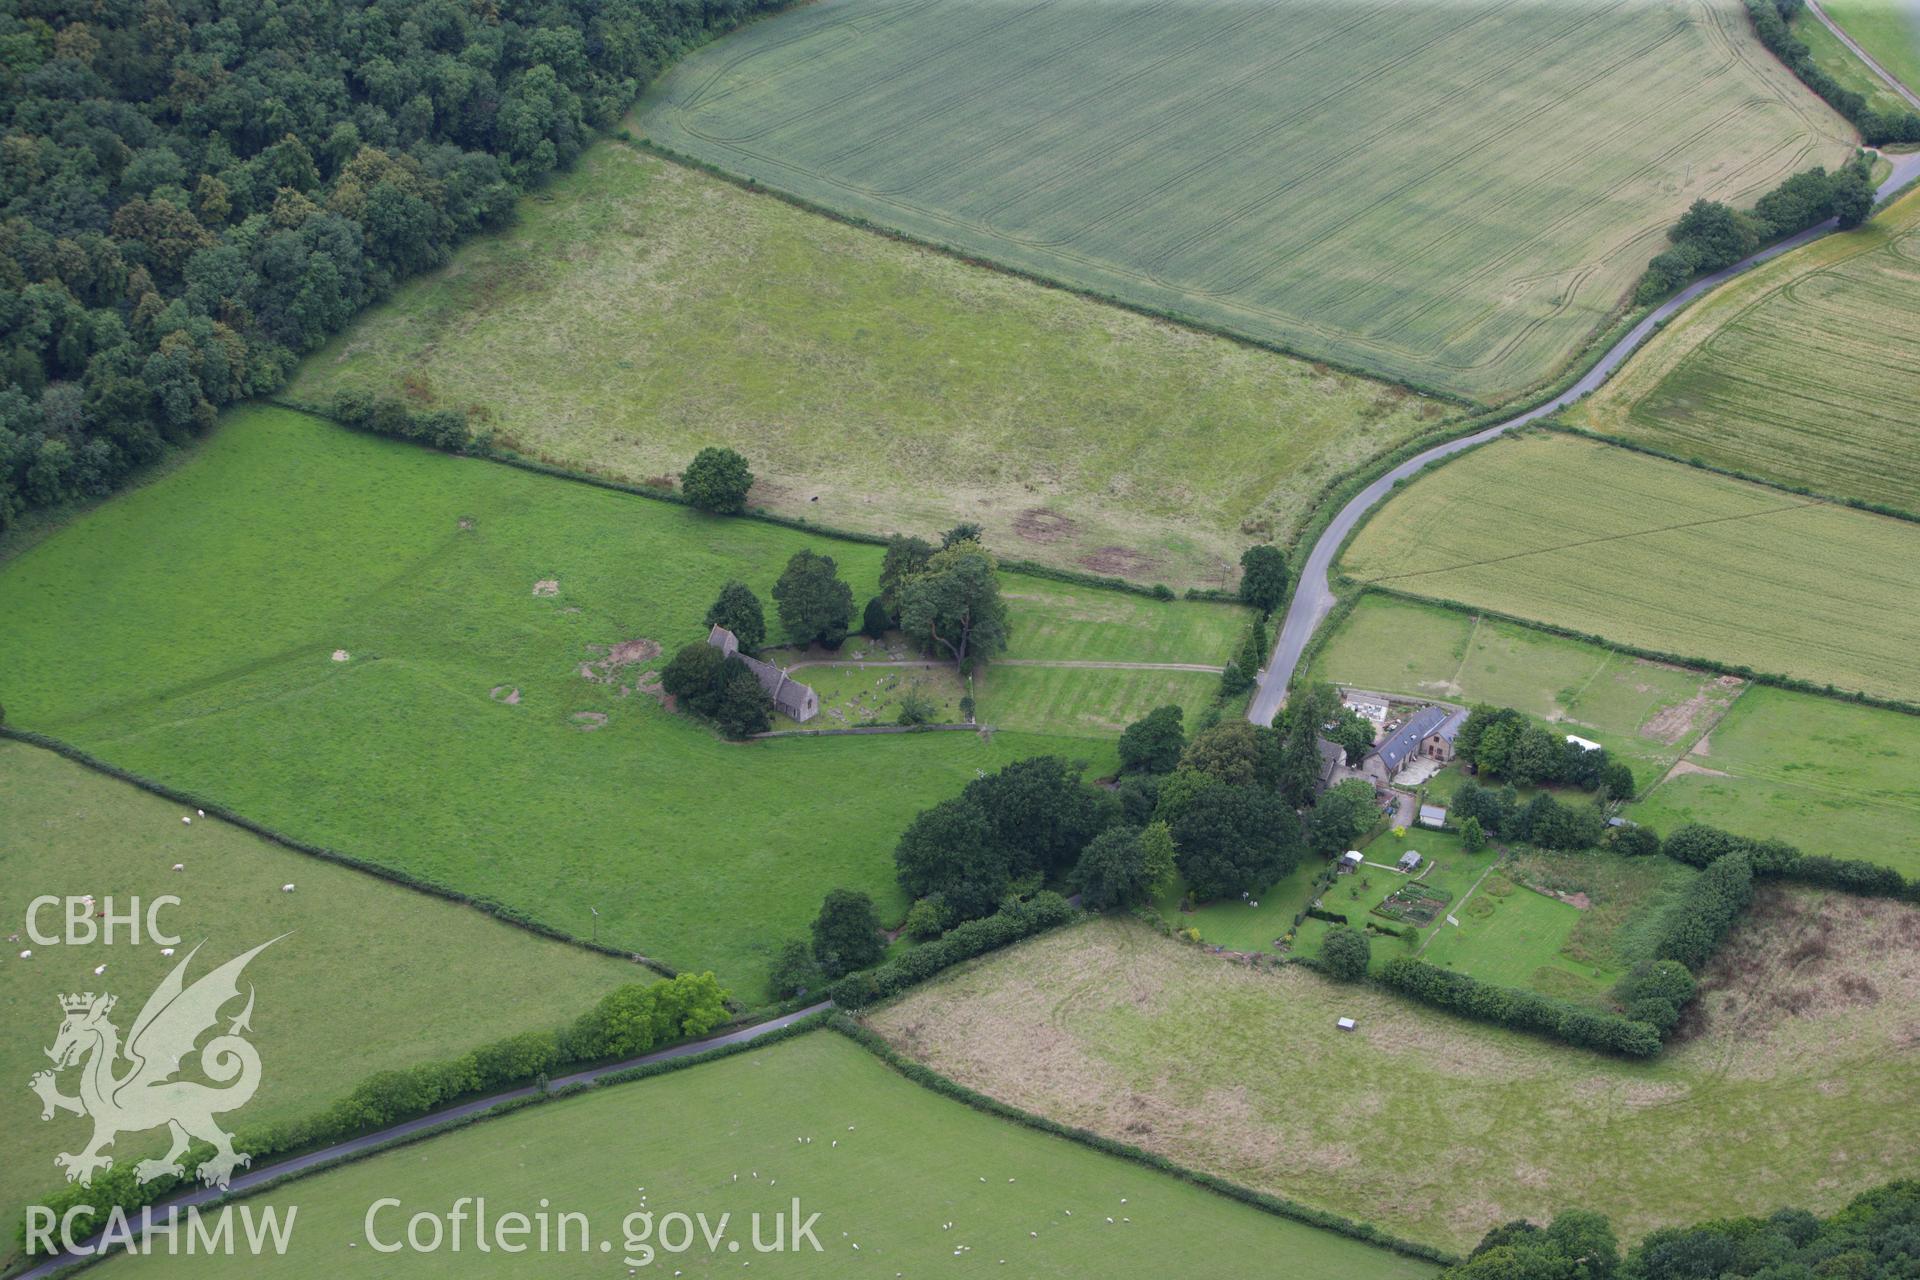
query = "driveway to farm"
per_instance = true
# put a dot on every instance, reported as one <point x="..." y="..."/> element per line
<point x="1893" y="81"/>
<point x="266" y="1173"/>
<point x="1313" y="597"/>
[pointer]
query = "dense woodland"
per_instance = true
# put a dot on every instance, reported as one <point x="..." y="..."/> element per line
<point x="1875" y="1237"/>
<point x="197" y="193"/>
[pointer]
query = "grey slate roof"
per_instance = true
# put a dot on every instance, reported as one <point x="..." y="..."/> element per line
<point x="1395" y="750"/>
<point x="791" y="698"/>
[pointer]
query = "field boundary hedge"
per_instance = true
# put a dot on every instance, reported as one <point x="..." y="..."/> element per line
<point x="661" y="151"/>
<point x="1799" y="490"/>
<point x="1712" y="666"/>
<point x="1046" y="910"/>
<point x="393" y="875"/>
<point x="929" y="1079"/>
<point x="486" y="451"/>
<point x="1875" y="127"/>
<point x="514" y="1099"/>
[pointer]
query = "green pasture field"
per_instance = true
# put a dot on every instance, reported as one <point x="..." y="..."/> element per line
<point x="359" y="983"/>
<point x="1253" y="925"/>
<point x="1802" y="372"/>
<point x="639" y="309"/>
<point x="1647" y="713"/>
<point x="1087" y="703"/>
<point x="1625" y="901"/>
<point x="187" y="631"/>
<point x="1840" y="62"/>
<point x="903" y="1180"/>
<point x="1832" y="777"/>
<point x="1889" y="30"/>
<point x="1516" y="932"/>
<point x="1423" y="193"/>
<point x="1658" y="556"/>
<point x="1058" y="620"/>
<point x="1436" y="1127"/>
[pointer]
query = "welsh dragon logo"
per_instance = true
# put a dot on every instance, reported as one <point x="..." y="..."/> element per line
<point x="144" y="1095"/>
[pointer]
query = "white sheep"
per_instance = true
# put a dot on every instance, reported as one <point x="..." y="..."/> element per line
<point x="98" y="970"/>
<point x="166" y="951"/>
<point x="286" y="888"/>
<point x="27" y="954"/>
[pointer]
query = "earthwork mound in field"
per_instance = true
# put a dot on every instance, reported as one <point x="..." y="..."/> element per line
<point x="1041" y="525"/>
<point x="606" y="668"/>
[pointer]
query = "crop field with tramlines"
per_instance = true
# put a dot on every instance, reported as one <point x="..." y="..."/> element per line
<point x="1806" y="372"/>
<point x="1658" y="556"/>
<point x="1453" y="195"/>
<point x="875" y="385"/>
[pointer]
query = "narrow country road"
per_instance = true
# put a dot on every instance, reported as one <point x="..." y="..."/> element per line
<point x="1313" y="598"/>
<point x="1893" y="81"/>
<point x="1062" y="664"/>
<point x="301" y="1164"/>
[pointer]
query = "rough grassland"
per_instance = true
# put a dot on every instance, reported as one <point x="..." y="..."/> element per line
<point x="1454" y="195"/>
<point x="1887" y="29"/>
<point x="1805" y="372"/>
<point x="360" y="985"/>
<point x="1438" y="1128"/>
<point x="1646" y="712"/>
<point x="1830" y="777"/>
<point x="1659" y="556"/>
<point x="641" y="309"/>
<point x="903" y="1181"/>
<point x="188" y="629"/>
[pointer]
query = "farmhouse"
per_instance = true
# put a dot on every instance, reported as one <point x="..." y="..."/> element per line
<point x="792" y="699"/>
<point x="1428" y="732"/>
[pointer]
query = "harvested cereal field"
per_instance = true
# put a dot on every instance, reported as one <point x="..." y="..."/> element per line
<point x="1455" y="196"/>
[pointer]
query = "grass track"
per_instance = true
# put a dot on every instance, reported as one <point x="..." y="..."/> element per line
<point x="1424" y="192"/>
<point x="1659" y="556"/>
<point x="1804" y="372"/>
<point x="640" y="309"/>
<point x="71" y="831"/>
<point x="890" y="1164"/>
<point x="185" y="631"/>
<point x="1437" y="1128"/>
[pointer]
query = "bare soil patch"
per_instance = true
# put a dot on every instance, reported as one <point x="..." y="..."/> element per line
<point x="547" y="587"/>
<point x="1674" y="723"/>
<point x="1118" y="561"/>
<point x="605" y="669"/>
<point x="1037" y="524"/>
<point x="1687" y="766"/>
<point x="505" y="693"/>
<point x="588" y="721"/>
